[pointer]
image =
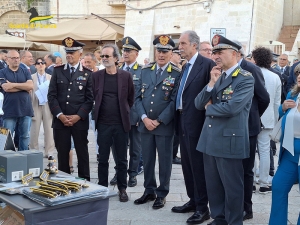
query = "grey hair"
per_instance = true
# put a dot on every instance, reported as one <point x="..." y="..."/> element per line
<point x="242" y="51"/>
<point x="193" y="38"/>
<point x="23" y="52"/>
<point x="91" y="55"/>
<point x="116" y="53"/>
<point x="52" y="58"/>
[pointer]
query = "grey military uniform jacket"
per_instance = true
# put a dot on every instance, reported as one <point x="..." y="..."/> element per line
<point x="225" y="130"/>
<point x="157" y="99"/>
<point x="135" y="71"/>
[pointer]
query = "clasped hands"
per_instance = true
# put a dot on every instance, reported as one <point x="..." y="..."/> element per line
<point x="150" y="124"/>
<point x="69" y="120"/>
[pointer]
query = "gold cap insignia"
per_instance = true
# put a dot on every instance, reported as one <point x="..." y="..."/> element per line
<point x="69" y="42"/>
<point x="127" y="42"/>
<point x="164" y="40"/>
<point x="216" y="40"/>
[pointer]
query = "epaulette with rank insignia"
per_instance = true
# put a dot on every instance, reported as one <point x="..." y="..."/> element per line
<point x="148" y="65"/>
<point x="245" y="73"/>
<point x="56" y="66"/>
<point x="87" y="68"/>
<point x="175" y="68"/>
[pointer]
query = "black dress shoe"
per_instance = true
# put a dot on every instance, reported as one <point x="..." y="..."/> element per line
<point x="176" y="160"/>
<point x="132" y="182"/>
<point x="247" y="215"/>
<point x="198" y="217"/>
<point x="159" y="203"/>
<point x="187" y="207"/>
<point x="145" y="198"/>
<point x="114" y="180"/>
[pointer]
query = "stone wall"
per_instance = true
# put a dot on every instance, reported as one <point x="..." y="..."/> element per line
<point x="249" y="21"/>
<point x="291" y="15"/>
<point x="69" y="9"/>
<point x="267" y="21"/>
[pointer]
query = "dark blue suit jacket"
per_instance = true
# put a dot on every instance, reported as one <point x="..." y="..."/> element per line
<point x="198" y="78"/>
<point x="260" y="100"/>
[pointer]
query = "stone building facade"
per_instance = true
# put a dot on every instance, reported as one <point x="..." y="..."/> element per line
<point x="252" y="22"/>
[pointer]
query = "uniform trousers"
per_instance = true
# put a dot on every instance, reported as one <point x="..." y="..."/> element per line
<point x="62" y="138"/>
<point x="163" y="145"/>
<point x="225" y="189"/>
<point x="192" y="168"/>
<point x="287" y="174"/>
<point x="134" y="151"/>
<point x="42" y="114"/>
<point x="107" y="135"/>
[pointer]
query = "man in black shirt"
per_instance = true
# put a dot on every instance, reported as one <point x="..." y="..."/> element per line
<point x="114" y="96"/>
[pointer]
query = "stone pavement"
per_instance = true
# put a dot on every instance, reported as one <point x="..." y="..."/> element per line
<point x="130" y="214"/>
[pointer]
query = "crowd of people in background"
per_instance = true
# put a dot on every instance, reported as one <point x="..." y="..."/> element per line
<point x="210" y="98"/>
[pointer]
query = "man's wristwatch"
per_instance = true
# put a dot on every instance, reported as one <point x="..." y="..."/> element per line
<point x="159" y="120"/>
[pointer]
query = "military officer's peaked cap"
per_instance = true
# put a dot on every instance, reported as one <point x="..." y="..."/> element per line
<point x="176" y="50"/>
<point x="129" y="44"/>
<point x="220" y="43"/>
<point x="275" y="56"/>
<point x="164" y="43"/>
<point x="72" y="45"/>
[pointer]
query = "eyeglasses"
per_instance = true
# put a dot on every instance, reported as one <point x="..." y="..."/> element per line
<point x="297" y="72"/>
<point x="105" y="56"/>
<point x="40" y="63"/>
<point x="14" y="58"/>
<point x="206" y="50"/>
<point x="282" y="59"/>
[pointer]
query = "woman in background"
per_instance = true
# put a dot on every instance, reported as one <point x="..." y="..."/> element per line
<point x="288" y="171"/>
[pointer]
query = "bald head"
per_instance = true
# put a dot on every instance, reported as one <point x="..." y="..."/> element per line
<point x="13" y="60"/>
<point x="26" y="58"/>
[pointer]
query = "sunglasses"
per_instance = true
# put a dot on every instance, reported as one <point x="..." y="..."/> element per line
<point x="40" y="63"/>
<point x="297" y="72"/>
<point x="105" y="56"/>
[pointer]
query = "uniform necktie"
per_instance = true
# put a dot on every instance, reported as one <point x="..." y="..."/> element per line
<point x="281" y="70"/>
<point x="127" y="68"/>
<point x="72" y="71"/>
<point x="158" y="73"/>
<point x="182" y="83"/>
<point x="222" y="78"/>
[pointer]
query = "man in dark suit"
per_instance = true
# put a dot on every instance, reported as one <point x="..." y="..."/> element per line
<point x="224" y="137"/>
<point x="114" y="96"/>
<point x="155" y="105"/>
<point x="284" y="68"/>
<point x="70" y="100"/>
<point x="50" y="63"/>
<point x="260" y="102"/>
<point x="3" y="57"/>
<point x="189" y="122"/>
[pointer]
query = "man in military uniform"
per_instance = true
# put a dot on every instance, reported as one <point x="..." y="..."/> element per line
<point x="130" y="53"/>
<point x="70" y="99"/>
<point x="155" y="105"/>
<point x="224" y="138"/>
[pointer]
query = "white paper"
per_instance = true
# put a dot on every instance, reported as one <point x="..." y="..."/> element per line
<point x="42" y="92"/>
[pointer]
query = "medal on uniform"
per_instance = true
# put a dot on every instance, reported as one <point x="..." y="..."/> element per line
<point x="80" y="87"/>
<point x="85" y="74"/>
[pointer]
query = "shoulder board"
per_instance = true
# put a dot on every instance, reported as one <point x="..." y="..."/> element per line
<point x="245" y="73"/>
<point x="175" y="68"/>
<point x="56" y="66"/>
<point x="87" y="69"/>
<point x="148" y="65"/>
